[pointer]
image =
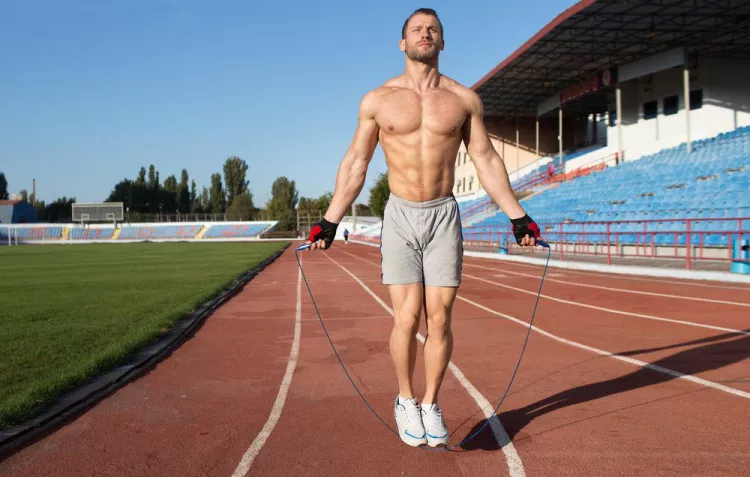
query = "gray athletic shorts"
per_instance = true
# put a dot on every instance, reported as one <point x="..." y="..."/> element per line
<point x="422" y="242"/>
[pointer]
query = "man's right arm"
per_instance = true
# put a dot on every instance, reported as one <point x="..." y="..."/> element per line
<point x="352" y="171"/>
<point x="353" y="168"/>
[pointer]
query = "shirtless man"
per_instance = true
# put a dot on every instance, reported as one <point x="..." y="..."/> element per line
<point x="420" y="119"/>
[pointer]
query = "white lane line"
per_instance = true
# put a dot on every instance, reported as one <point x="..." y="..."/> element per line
<point x="626" y="359"/>
<point x="621" y="290"/>
<point x="278" y="405"/>
<point x="611" y="310"/>
<point x="615" y="276"/>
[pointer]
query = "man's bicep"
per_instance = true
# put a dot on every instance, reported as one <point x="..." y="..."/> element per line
<point x="365" y="138"/>
<point x="366" y="135"/>
<point x="477" y="141"/>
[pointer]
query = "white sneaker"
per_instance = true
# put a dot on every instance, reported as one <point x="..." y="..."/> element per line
<point x="409" y="419"/>
<point x="432" y="419"/>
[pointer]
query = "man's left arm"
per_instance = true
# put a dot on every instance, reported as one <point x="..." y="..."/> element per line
<point x="492" y="172"/>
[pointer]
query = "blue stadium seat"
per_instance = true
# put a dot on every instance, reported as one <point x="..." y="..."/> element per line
<point x="713" y="187"/>
<point x="234" y="231"/>
<point x="134" y="232"/>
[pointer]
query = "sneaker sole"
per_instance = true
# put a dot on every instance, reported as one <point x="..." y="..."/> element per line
<point x="443" y="441"/>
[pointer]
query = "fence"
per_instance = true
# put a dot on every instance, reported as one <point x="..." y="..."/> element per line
<point x="690" y="240"/>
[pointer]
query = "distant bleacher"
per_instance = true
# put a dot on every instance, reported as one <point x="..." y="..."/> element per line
<point x="92" y="233"/>
<point x="38" y="233"/>
<point x="237" y="230"/>
<point x="31" y="233"/>
<point x="145" y="232"/>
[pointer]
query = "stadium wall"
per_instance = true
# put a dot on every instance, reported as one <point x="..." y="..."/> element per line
<point x="502" y="132"/>
<point x="725" y="105"/>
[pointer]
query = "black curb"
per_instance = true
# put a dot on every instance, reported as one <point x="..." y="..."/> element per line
<point x="75" y="402"/>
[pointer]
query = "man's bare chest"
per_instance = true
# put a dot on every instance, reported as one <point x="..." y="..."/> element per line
<point x="440" y="113"/>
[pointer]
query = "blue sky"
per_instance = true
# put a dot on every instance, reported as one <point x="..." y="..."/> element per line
<point x="92" y="90"/>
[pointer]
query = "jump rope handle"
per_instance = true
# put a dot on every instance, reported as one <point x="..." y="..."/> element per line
<point x="303" y="247"/>
<point x="542" y="243"/>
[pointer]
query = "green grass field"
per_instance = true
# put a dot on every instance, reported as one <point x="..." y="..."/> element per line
<point x="70" y="312"/>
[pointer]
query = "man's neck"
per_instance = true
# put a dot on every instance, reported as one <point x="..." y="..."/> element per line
<point x="422" y="76"/>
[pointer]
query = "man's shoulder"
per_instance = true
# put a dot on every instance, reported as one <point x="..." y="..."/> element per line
<point x="468" y="96"/>
<point x="372" y="98"/>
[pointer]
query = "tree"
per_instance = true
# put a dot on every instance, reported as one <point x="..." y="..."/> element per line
<point x="193" y="197"/>
<point x="170" y="184"/>
<point x="60" y="209"/>
<point x="141" y="180"/>
<point x="241" y="208"/>
<point x="218" y="200"/>
<point x="183" y="193"/>
<point x="3" y="187"/>
<point x="379" y="195"/>
<point x="153" y="179"/>
<point x="24" y="195"/>
<point x="168" y="195"/>
<point x="324" y="201"/>
<point x="282" y="203"/>
<point x="41" y="212"/>
<point x="320" y="204"/>
<point x="136" y="198"/>
<point x="235" y="170"/>
<point x="205" y="201"/>
<point x="364" y="210"/>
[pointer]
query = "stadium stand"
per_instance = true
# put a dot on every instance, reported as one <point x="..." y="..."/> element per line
<point x="237" y="230"/>
<point x="92" y="233"/>
<point x="129" y="232"/>
<point x="659" y="187"/>
<point x="31" y="233"/>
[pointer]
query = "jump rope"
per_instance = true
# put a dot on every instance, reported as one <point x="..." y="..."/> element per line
<point x="507" y="389"/>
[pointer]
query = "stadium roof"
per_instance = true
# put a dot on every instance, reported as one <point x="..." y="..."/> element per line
<point x="10" y="202"/>
<point x="594" y="35"/>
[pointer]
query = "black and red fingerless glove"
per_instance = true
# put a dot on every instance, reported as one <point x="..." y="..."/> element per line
<point x="524" y="226"/>
<point x="325" y="231"/>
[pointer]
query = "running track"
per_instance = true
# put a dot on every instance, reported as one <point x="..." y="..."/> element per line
<point x="621" y="376"/>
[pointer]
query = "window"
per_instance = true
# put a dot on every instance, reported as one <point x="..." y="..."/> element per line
<point x="612" y="119"/>
<point x="463" y="184"/>
<point x="471" y="183"/>
<point x="696" y="99"/>
<point x="650" y="109"/>
<point x="671" y="105"/>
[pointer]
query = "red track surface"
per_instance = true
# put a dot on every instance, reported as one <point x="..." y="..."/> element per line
<point x="571" y="411"/>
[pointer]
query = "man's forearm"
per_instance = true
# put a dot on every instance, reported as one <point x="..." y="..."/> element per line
<point x="494" y="178"/>
<point x="349" y="183"/>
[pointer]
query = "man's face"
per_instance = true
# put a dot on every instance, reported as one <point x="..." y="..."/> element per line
<point x="424" y="39"/>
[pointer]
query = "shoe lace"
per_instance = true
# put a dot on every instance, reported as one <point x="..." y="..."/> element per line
<point x="435" y="415"/>
<point x="412" y="413"/>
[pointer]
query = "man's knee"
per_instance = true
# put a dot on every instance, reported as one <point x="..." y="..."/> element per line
<point x="439" y="324"/>
<point x="406" y="323"/>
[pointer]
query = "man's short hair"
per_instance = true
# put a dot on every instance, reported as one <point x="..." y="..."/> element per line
<point x="423" y="11"/>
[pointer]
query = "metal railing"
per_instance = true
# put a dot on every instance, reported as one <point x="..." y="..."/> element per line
<point x="690" y="243"/>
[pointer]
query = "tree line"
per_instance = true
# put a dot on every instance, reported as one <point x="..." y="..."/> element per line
<point x="228" y="194"/>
